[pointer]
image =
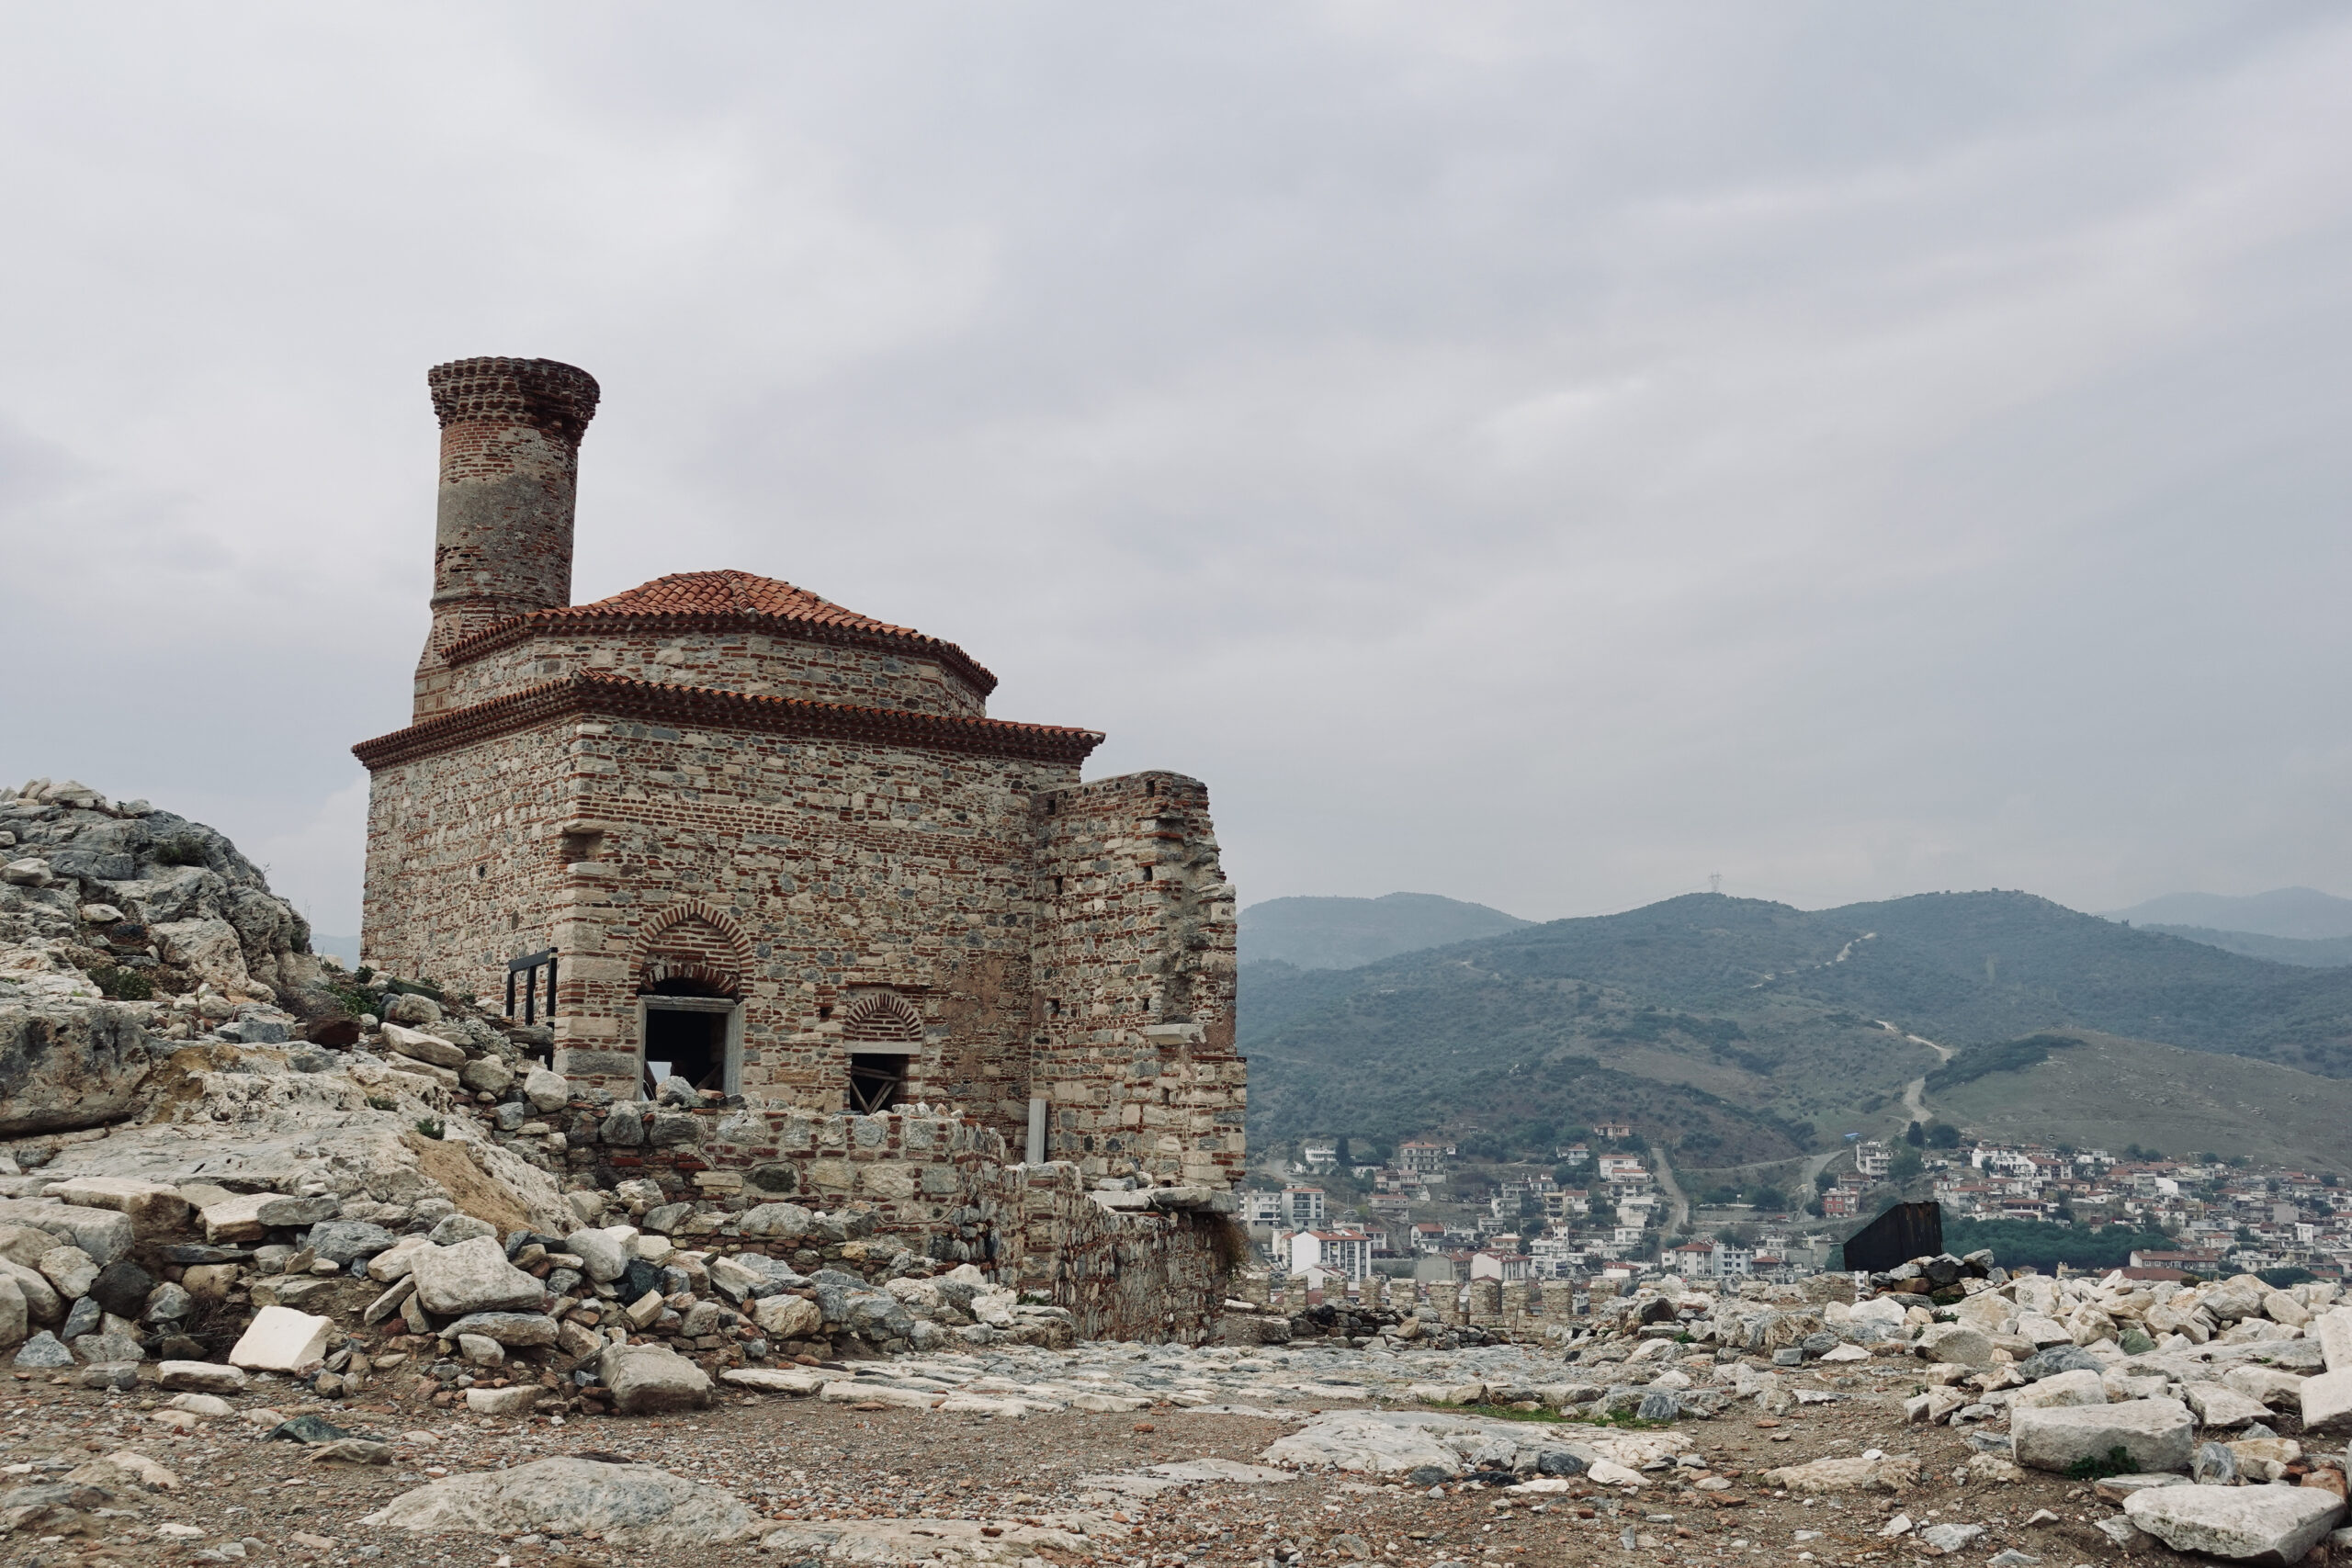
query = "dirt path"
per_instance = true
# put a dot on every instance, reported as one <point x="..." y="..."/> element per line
<point x="1681" y="1215"/>
<point x="1915" y="1092"/>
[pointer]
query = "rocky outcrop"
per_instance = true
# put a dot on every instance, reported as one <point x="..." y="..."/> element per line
<point x="64" y="1068"/>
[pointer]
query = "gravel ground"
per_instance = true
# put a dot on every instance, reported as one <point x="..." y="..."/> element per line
<point x="805" y="1461"/>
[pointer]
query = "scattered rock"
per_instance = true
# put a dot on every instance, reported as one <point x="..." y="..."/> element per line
<point x="2244" y="1524"/>
<point x="628" y="1504"/>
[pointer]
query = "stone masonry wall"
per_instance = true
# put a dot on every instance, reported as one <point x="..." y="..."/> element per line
<point x="1134" y="971"/>
<point x="938" y="1187"/>
<point x="773" y="663"/>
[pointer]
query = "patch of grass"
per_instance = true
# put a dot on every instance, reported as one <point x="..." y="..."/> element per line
<point x="431" y="1126"/>
<point x="123" y="985"/>
<point x="2117" y="1462"/>
<point x="382" y="1101"/>
<point x="1505" y="1413"/>
<point x="182" y="849"/>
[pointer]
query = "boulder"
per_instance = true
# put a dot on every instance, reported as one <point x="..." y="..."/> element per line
<point x="1955" y="1343"/>
<point x="64" y="1068"/>
<point x="2269" y="1525"/>
<point x="152" y="1208"/>
<point x="396" y="1261"/>
<point x="412" y="1010"/>
<point x="421" y="1047"/>
<point x="473" y="1276"/>
<point x="788" y="1317"/>
<point x="633" y="1506"/>
<point x="234" y="1218"/>
<point x="122" y="1287"/>
<point x="546" y="1090"/>
<point x="487" y="1075"/>
<point x="602" y="1258"/>
<point x="1890" y="1473"/>
<point x="2154" y="1434"/>
<point x="203" y="1377"/>
<point x="647" y="1380"/>
<point x="103" y="1233"/>
<point x="43" y="1306"/>
<point x="2334" y="1331"/>
<point x="341" y="1242"/>
<point x="44" y="1353"/>
<point x="281" y="1213"/>
<point x="2328" y="1402"/>
<point x="520" y="1400"/>
<point x="281" y="1339"/>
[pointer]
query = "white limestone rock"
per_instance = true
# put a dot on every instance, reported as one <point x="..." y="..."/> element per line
<point x="281" y="1339"/>
<point x="634" y="1505"/>
<point x="2157" y="1435"/>
<point x="2266" y="1524"/>
<point x="647" y="1380"/>
<point x="473" y="1276"/>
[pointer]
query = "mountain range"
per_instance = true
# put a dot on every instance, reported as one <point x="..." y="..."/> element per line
<point x="1743" y="1032"/>
<point x="2304" y="914"/>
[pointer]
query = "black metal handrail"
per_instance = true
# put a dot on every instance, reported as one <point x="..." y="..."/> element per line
<point x="531" y="963"/>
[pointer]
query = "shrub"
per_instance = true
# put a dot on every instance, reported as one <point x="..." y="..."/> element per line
<point x="382" y="1101"/>
<point x="123" y="985"/>
<point x="2117" y="1462"/>
<point x="431" y="1126"/>
<point x="182" y="849"/>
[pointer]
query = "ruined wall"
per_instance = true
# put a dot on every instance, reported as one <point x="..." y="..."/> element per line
<point x="772" y="662"/>
<point x="1134" y="970"/>
<point x="938" y="1186"/>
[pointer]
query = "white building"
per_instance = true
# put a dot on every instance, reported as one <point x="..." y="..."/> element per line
<point x="1292" y="1208"/>
<point x="1347" y="1254"/>
<point x="1871" y="1160"/>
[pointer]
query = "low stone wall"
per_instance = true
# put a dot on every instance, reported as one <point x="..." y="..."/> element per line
<point x="938" y="1186"/>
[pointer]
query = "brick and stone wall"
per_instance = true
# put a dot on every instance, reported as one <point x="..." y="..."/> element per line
<point x="1134" y="982"/>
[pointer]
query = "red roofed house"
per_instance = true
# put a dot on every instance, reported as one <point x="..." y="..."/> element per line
<point x="719" y="827"/>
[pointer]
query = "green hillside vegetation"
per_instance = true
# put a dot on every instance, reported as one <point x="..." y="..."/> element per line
<point x="1340" y="933"/>
<point x="2108" y="1093"/>
<point x="2008" y="1057"/>
<point x="2325" y="952"/>
<point x="1741" y="1032"/>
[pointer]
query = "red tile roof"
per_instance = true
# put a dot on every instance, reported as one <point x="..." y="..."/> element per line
<point x="688" y="600"/>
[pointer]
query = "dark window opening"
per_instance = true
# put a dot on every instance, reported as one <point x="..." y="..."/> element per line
<point x="1150" y="788"/>
<point x="1053" y="1007"/>
<point x="877" y="1081"/>
<point x="1057" y="886"/>
<point x="690" y="1046"/>
<point x="1147" y="873"/>
<point x="825" y="1010"/>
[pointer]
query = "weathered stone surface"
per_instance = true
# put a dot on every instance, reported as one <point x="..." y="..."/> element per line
<point x="122" y="1287"/>
<point x="1893" y="1473"/>
<point x="43" y="1351"/>
<point x="43" y="1306"/>
<point x="649" y="1379"/>
<point x="203" y="1377"/>
<point x="234" y="1218"/>
<point x="2333" y="1329"/>
<point x="152" y="1208"/>
<point x="281" y="1339"/>
<point x="473" y="1276"/>
<point x="487" y="1075"/>
<point x="64" y="1068"/>
<point x="2218" y="1405"/>
<point x="281" y="1213"/>
<point x="788" y="1317"/>
<point x="776" y="1379"/>
<point x="520" y="1400"/>
<point x="547" y="1091"/>
<point x="512" y="1329"/>
<point x="2076" y="1387"/>
<point x="341" y="1241"/>
<point x="419" y="1046"/>
<point x="628" y="1504"/>
<point x="2156" y="1434"/>
<point x="2270" y="1525"/>
<point x="2328" y="1402"/>
<point x="1956" y="1343"/>
<point x="602" y="1256"/>
<point x="779" y="1221"/>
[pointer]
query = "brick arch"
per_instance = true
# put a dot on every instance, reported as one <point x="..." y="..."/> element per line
<point x="693" y="941"/>
<point x="882" y="1016"/>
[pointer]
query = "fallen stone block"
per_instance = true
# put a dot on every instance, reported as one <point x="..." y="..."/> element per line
<point x="2218" y="1405"/>
<point x="633" y="1506"/>
<point x="649" y="1379"/>
<point x="152" y="1208"/>
<point x="846" y="1391"/>
<point x="419" y="1046"/>
<point x="473" y="1276"/>
<point x="281" y="1339"/>
<point x="518" y="1401"/>
<point x="2077" y="1387"/>
<point x="773" y="1380"/>
<point x="2269" y="1524"/>
<point x="200" y="1377"/>
<point x="2154" y="1434"/>
<point x="1893" y="1473"/>
<point x="2328" y="1402"/>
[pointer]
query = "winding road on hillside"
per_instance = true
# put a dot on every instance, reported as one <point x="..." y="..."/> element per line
<point x="1915" y="1092"/>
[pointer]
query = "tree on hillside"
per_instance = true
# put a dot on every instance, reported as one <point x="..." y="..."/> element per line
<point x="1915" y="1135"/>
<point x="1906" y="1164"/>
<point x="1944" y="1136"/>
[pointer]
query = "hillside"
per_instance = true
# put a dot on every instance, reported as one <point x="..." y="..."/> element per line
<point x="1743" y="1030"/>
<point x="1342" y="933"/>
<point x="2106" y="1093"/>
<point x="2305" y="914"/>
<point x="2325" y="952"/>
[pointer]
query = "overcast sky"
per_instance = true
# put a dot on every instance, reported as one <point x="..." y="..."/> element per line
<point x="1542" y="455"/>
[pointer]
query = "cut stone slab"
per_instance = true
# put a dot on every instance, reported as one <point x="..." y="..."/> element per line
<point x="2245" y="1524"/>
<point x="281" y="1339"/>
<point x="1955" y="1343"/>
<point x="2328" y="1402"/>
<point x="282" y="1212"/>
<point x="649" y="1379"/>
<point x="2154" y="1434"/>
<point x="203" y="1377"/>
<point x="850" y="1392"/>
<point x="2333" y="1329"/>
<point x="234" y="1218"/>
<point x="2218" y="1405"/>
<point x="628" y="1504"/>
<point x="772" y="1379"/>
<point x="473" y="1276"/>
<point x="512" y="1329"/>
<point x="152" y="1208"/>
